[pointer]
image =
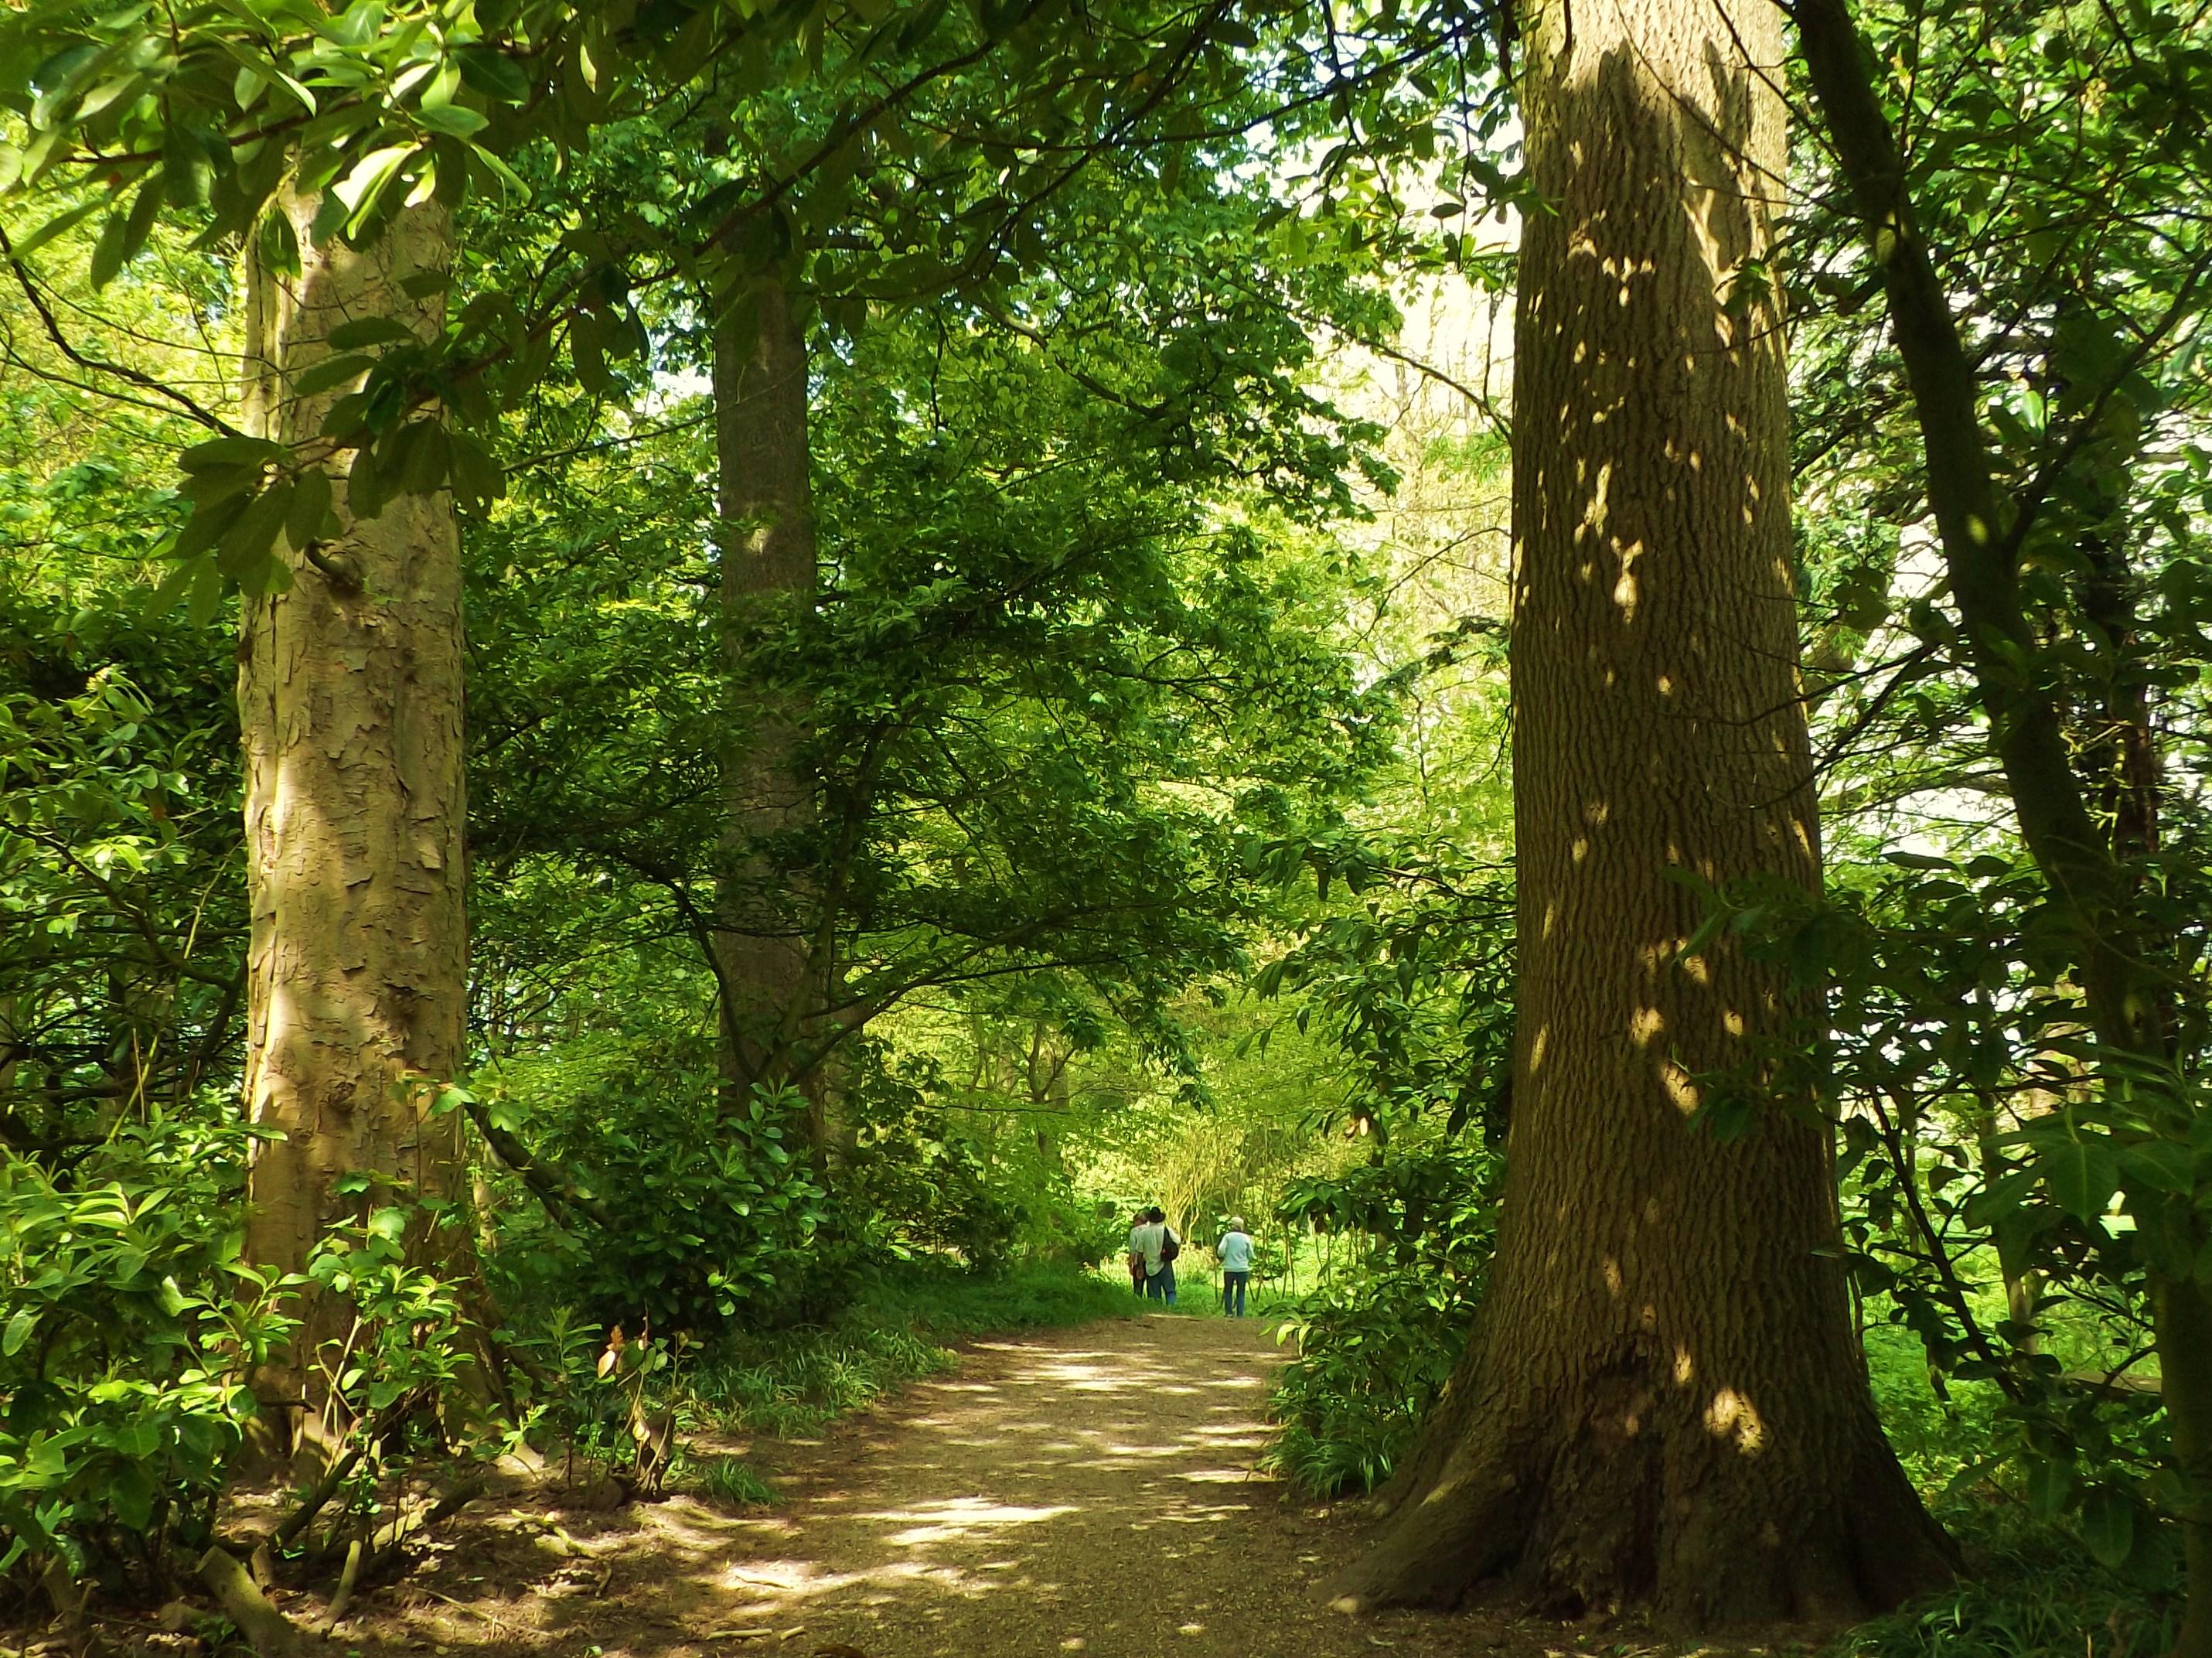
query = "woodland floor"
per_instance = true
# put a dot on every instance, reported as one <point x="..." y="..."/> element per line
<point x="1088" y="1490"/>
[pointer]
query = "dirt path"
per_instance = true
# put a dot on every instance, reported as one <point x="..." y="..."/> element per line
<point x="1090" y="1490"/>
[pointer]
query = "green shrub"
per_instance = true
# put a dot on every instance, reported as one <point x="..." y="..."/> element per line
<point x="1374" y="1349"/>
<point x="713" y="1216"/>
<point x="127" y="1322"/>
<point x="921" y="1184"/>
<point x="1377" y="1341"/>
<point x="2031" y="1591"/>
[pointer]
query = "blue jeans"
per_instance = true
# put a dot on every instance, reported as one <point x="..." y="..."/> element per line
<point x="1232" y="1292"/>
<point x="1160" y="1287"/>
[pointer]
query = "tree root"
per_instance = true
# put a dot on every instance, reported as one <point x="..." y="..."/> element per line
<point x="1572" y="1531"/>
<point x="347" y="1578"/>
<point x="267" y="1630"/>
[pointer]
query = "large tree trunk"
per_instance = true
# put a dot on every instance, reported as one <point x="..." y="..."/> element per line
<point x="350" y="699"/>
<point x="771" y="965"/>
<point x="1663" y="1403"/>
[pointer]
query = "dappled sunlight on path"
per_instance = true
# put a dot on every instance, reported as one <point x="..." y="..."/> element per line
<point x="1092" y="1491"/>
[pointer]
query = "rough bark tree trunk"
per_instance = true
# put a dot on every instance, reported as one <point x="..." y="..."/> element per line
<point x="1663" y="1403"/>
<point x="349" y="698"/>
<point x="770" y="965"/>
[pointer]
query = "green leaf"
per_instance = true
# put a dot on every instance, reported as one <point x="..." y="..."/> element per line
<point x="26" y="246"/>
<point x="367" y="487"/>
<point x="2082" y="1173"/>
<point x="207" y="592"/>
<point x="456" y="120"/>
<point x="361" y="188"/>
<point x="18" y="1331"/>
<point x="143" y="210"/>
<point x="2108" y="1524"/>
<point x="108" y="252"/>
<point x="1707" y="929"/>
<point x="209" y="488"/>
<point x="425" y="465"/>
<point x="280" y="242"/>
<point x="131" y="1494"/>
<point x="245" y="547"/>
<point x="331" y="371"/>
<point x="1918" y="861"/>
<point x="172" y="588"/>
<point x="311" y="505"/>
<point x="2050" y="1487"/>
<point x="237" y="451"/>
<point x="494" y="74"/>
<point x="588" y="350"/>
<point x="477" y="479"/>
<point x="368" y="331"/>
<point x="2160" y="1166"/>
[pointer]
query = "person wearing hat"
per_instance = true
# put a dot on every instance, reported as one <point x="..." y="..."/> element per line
<point x="1234" y="1254"/>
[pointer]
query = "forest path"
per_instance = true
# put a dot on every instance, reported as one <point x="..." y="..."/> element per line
<point x="1089" y="1491"/>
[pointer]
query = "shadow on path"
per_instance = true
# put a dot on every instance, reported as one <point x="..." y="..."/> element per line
<point x="1089" y="1491"/>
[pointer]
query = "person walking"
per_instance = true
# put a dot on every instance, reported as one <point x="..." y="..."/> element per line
<point x="1163" y="1286"/>
<point x="1234" y="1254"/>
<point x="1136" y="1262"/>
<point x="1147" y="1239"/>
<point x="1154" y="1246"/>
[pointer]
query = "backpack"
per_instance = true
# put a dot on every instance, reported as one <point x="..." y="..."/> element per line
<point x="1171" y="1246"/>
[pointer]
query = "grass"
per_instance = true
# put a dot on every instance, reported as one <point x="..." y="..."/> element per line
<point x="730" y="1481"/>
<point x="790" y="1383"/>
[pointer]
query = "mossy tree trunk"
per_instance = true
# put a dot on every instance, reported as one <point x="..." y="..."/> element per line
<point x="1664" y="1404"/>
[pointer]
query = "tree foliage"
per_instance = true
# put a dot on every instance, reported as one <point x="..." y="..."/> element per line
<point x="1155" y="698"/>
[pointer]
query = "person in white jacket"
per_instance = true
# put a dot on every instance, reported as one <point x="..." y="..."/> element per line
<point x="1234" y="1254"/>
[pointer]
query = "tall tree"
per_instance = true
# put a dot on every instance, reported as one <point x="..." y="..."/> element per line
<point x="2078" y="751"/>
<point x="770" y="953"/>
<point x="1664" y="1401"/>
<point x="350" y="699"/>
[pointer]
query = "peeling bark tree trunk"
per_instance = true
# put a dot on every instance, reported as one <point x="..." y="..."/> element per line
<point x="771" y="963"/>
<point x="1664" y="1403"/>
<point x="349" y="698"/>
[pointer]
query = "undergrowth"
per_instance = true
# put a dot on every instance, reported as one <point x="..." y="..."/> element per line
<point x="1373" y="1353"/>
<point x="2030" y="1588"/>
<point x="791" y="1383"/>
<point x="2029" y="1591"/>
<point x="733" y="1483"/>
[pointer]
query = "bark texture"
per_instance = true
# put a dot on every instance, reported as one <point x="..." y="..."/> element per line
<point x="1664" y="1403"/>
<point x="349" y="698"/>
<point x="771" y="963"/>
